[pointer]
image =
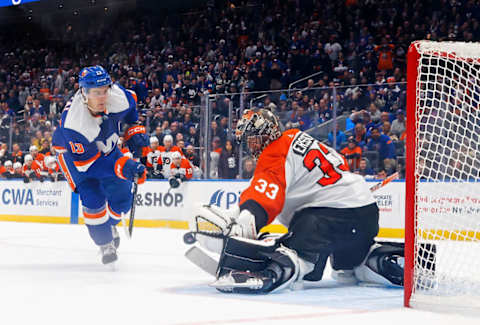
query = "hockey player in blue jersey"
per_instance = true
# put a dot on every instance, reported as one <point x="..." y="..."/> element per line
<point x="86" y="144"/>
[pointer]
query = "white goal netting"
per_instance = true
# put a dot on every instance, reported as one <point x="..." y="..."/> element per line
<point x="447" y="173"/>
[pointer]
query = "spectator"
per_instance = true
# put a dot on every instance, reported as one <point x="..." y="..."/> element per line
<point x="37" y="140"/>
<point x="374" y="112"/>
<point x="299" y="120"/>
<point x="192" y="137"/>
<point x="382" y="174"/>
<point x="218" y="132"/>
<point x="398" y="124"/>
<point x="382" y="144"/>
<point x="157" y="99"/>
<point x="332" y="48"/>
<point x="37" y="108"/>
<point x="364" y="170"/>
<point x="248" y="168"/>
<point x="45" y="147"/>
<point x="386" y="129"/>
<point x="228" y="163"/>
<point x="16" y="154"/>
<point x="360" y="135"/>
<point x="384" y="117"/>
<point x="341" y="138"/>
<point x="215" y="157"/>
<point x="385" y="55"/>
<point x="352" y="153"/>
<point x="190" y="155"/>
<point x="140" y="85"/>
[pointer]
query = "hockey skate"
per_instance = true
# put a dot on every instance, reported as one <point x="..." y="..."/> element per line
<point x="109" y="253"/>
<point x="116" y="237"/>
<point x="244" y="282"/>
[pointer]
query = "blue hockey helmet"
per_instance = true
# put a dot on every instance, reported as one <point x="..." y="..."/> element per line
<point x="94" y="77"/>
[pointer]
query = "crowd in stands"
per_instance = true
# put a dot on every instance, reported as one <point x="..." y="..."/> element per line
<point x="230" y="48"/>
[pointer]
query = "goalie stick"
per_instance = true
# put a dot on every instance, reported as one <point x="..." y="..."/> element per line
<point x="200" y="258"/>
<point x="189" y="237"/>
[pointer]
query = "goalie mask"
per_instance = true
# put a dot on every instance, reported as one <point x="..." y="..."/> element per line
<point x="257" y="129"/>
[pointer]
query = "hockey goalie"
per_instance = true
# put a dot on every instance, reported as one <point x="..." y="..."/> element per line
<point x="306" y="186"/>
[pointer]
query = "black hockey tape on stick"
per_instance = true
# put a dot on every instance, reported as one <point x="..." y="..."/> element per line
<point x="190" y="237"/>
<point x="131" y="219"/>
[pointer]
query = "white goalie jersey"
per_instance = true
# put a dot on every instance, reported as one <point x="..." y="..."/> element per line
<point x="296" y="172"/>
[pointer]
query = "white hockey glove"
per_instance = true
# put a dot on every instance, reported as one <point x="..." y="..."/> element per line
<point x="211" y="224"/>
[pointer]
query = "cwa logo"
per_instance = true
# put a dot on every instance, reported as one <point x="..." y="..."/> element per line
<point x="224" y="199"/>
<point x="17" y="197"/>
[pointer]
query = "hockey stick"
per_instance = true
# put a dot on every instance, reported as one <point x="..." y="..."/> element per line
<point x="129" y="229"/>
<point x="384" y="182"/>
<point x="200" y="258"/>
<point x="132" y="208"/>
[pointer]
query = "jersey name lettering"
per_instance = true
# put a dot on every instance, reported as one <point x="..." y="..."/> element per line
<point x="302" y="143"/>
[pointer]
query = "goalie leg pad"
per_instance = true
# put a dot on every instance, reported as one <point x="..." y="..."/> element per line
<point x="282" y="269"/>
<point x="254" y="266"/>
<point x="242" y="254"/>
<point x="383" y="265"/>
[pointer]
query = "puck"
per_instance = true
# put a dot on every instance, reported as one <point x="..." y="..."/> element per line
<point x="189" y="238"/>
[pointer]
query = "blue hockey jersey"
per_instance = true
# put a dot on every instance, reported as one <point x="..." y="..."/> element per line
<point x="87" y="144"/>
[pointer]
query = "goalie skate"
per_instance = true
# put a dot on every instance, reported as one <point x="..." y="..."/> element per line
<point x="243" y="282"/>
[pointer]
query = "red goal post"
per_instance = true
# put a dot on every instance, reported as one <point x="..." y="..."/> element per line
<point x="442" y="170"/>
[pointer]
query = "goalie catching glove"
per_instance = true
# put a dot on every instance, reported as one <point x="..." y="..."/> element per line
<point x="212" y="224"/>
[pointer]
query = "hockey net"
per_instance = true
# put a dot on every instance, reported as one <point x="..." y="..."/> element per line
<point x="442" y="180"/>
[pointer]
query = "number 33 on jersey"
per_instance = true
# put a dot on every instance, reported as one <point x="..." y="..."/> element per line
<point x="296" y="171"/>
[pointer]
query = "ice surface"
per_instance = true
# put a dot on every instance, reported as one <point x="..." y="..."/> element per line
<point x="51" y="274"/>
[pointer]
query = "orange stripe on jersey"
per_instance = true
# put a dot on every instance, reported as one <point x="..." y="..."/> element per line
<point x="59" y="149"/>
<point x="88" y="161"/>
<point x="95" y="215"/>
<point x="134" y="95"/>
<point x="66" y="172"/>
<point x="268" y="185"/>
<point x="115" y="214"/>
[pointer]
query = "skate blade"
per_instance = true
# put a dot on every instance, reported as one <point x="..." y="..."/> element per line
<point x="111" y="266"/>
